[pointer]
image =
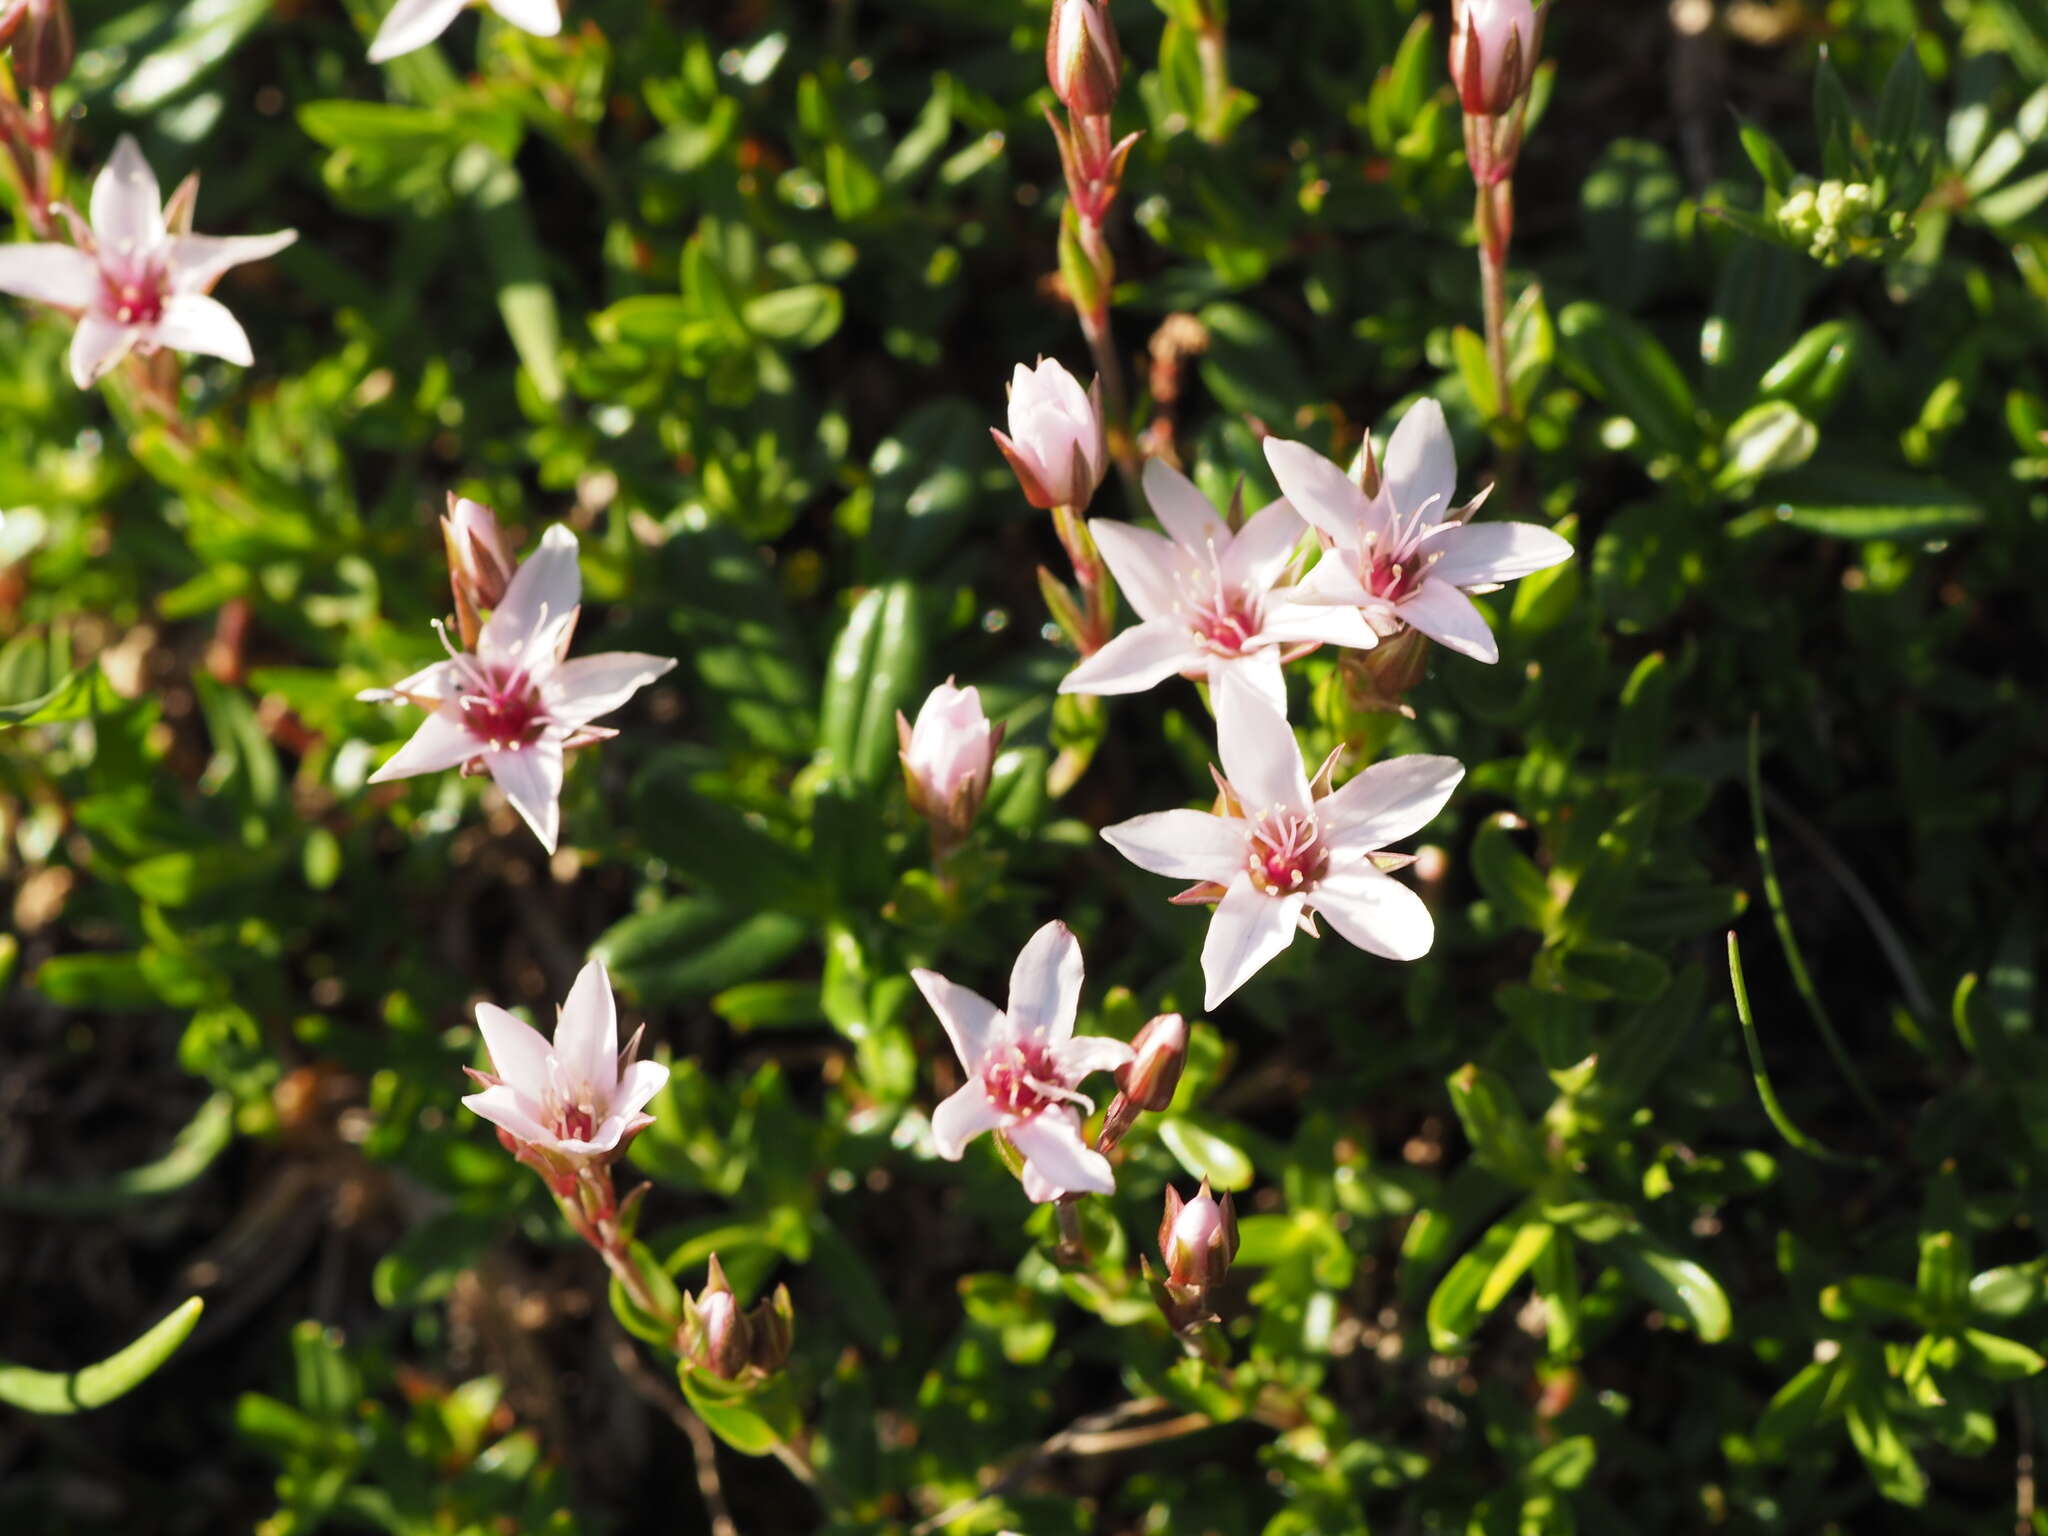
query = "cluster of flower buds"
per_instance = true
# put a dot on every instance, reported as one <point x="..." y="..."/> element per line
<point x="1058" y="447"/>
<point x="948" y="758"/>
<point x="1197" y="1241"/>
<point x="728" y="1341"/>
<point x="1836" y="220"/>
<point x="1147" y="1082"/>
<point x="1084" y="62"/>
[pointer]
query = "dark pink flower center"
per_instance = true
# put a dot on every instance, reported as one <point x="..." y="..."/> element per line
<point x="504" y="708"/>
<point x="1287" y="853"/>
<point x="134" y="298"/>
<point x="1394" y="580"/>
<point x="1021" y="1079"/>
<point x="1226" y="620"/>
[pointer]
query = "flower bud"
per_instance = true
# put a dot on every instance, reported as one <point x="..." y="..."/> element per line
<point x="1083" y="59"/>
<point x="1494" y="48"/>
<point x="716" y="1336"/>
<point x="47" y="45"/>
<point x="480" y="566"/>
<point x="11" y="13"/>
<point x="1197" y="1239"/>
<point x="1057" y="443"/>
<point x="948" y="757"/>
<point x="773" y="1328"/>
<point x="1151" y="1076"/>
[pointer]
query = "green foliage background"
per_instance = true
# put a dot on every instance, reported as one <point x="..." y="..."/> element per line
<point x="733" y="287"/>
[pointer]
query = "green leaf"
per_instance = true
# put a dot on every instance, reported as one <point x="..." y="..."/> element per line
<point x="205" y="1136"/>
<point x="1206" y="1151"/>
<point x="511" y="250"/>
<point x="804" y="316"/>
<point x="1624" y="365"/>
<point x="80" y="696"/>
<point x="1767" y="439"/>
<point x="1848" y="502"/>
<point x="1629" y="206"/>
<point x="93" y="1386"/>
<point x="1518" y="890"/>
<point x="1454" y="1312"/>
<point x="1674" y="1285"/>
<point x="424" y="1264"/>
<point x="874" y="666"/>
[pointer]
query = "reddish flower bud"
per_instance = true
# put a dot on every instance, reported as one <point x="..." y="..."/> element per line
<point x="1057" y="443"/>
<point x="948" y="758"/>
<point x="1197" y="1239"/>
<point x="716" y="1336"/>
<point x="773" y="1328"/>
<point x="480" y="565"/>
<point x="1494" y="48"/>
<point x="1083" y="58"/>
<point x="46" y="47"/>
<point x="1162" y="1052"/>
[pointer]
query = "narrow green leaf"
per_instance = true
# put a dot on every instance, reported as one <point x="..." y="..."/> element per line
<point x="93" y="1386"/>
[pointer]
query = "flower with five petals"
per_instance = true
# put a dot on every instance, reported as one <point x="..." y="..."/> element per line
<point x="1282" y="850"/>
<point x="1024" y="1066"/>
<point x="515" y="705"/>
<point x="137" y="279"/>
<point x="1209" y="599"/>
<point x="1403" y="556"/>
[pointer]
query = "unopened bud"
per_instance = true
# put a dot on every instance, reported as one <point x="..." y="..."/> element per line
<point x="1083" y="58"/>
<point x="773" y="1328"/>
<point x="715" y="1332"/>
<point x="480" y="565"/>
<point x="1379" y="680"/>
<point x="11" y="13"/>
<point x="1153" y="1072"/>
<point x="1197" y="1239"/>
<point x="46" y="47"/>
<point x="1494" y="48"/>
<point x="948" y="759"/>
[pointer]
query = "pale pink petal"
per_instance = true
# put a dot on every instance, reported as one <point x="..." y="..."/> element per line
<point x="1376" y="912"/>
<point x="441" y="742"/>
<point x="1264" y="546"/>
<point x="434" y="682"/>
<point x="589" y="686"/>
<point x="1261" y="758"/>
<point x="413" y="24"/>
<point x="1388" y="801"/>
<point x="1045" y="984"/>
<point x="194" y="322"/>
<point x="61" y="275"/>
<point x="587" y="1033"/>
<point x="1477" y="554"/>
<point x="519" y="1052"/>
<point x="1422" y="463"/>
<point x="531" y="777"/>
<point x="961" y="1117"/>
<point x="196" y="262"/>
<point x="1139" y="658"/>
<point x="1447" y="616"/>
<point x="1087" y="1054"/>
<point x="1260" y="668"/>
<point x="513" y="1111"/>
<point x="638" y="1085"/>
<point x="1056" y="1161"/>
<point x="1144" y="565"/>
<point x="1318" y="490"/>
<point x="1248" y="929"/>
<point x="970" y="1020"/>
<point x="545" y="589"/>
<point x="1182" y="845"/>
<point x="127" y="207"/>
<point x="543" y="18"/>
<point x="96" y="347"/>
<point x="1293" y="623"/>
<point x="1183" y="511"/>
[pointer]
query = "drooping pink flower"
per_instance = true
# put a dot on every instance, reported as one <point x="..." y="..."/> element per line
<point x="135" y="281"/>
<point x="1494" y="48"/>
<point x="412" y="24"/>
<point x="1284" y="849"/>
<point x="1403" y="556"/>
<point x="1210" y="600"/>
<point x="573" y="1100"/>
<point x="1024" y="1068"/>
<point x="1057" y="443"/>
<point x="515" y="705"/>
<point x="948" y="757"/>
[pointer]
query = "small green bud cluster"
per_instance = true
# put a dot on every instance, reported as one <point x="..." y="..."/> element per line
<point x="1837" y="220"/>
